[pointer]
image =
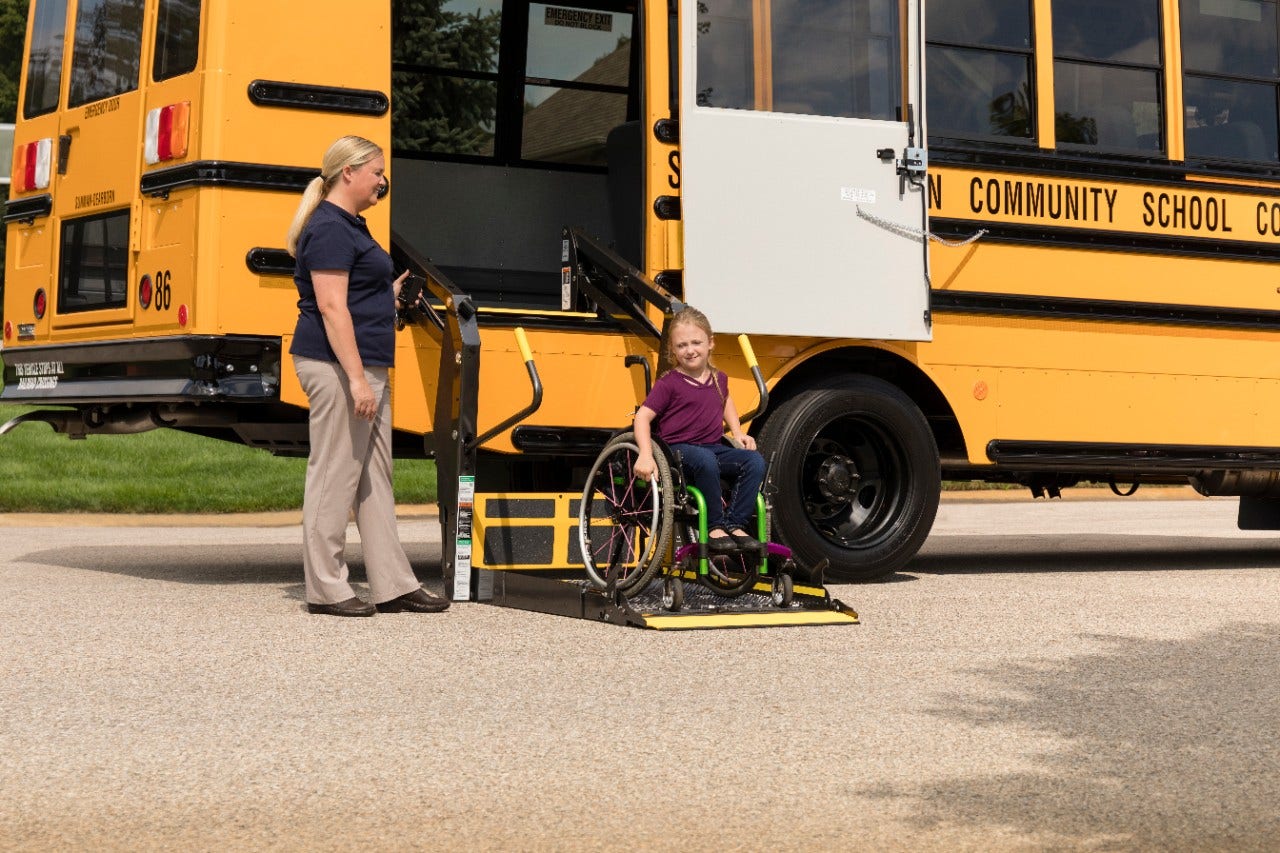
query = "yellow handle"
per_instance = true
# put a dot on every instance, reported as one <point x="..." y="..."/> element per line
<point x="523" y="343"/>
<point x="747" y="351"/>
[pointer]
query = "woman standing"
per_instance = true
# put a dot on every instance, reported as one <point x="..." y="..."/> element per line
<point x="342" y="347"/>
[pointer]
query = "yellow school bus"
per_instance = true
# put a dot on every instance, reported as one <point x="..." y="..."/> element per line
<point x="1026" y="241"/>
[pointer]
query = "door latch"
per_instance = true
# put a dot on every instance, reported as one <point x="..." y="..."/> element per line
<point x="914" y="162"/>
<point x="911" y="167"/>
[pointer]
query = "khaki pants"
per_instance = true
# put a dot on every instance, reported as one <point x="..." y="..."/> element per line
<point x="349" y="468"/>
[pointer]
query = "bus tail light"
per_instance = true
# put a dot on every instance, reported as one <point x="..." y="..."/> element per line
<point x="40" y="304"/>
<point x="167" y="133"/>
<point x="31" y="165"/>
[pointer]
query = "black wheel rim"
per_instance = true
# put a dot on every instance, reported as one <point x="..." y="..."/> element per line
<point x="852" y="481"/>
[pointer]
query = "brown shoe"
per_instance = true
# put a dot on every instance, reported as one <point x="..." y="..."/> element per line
<point x="418" y="601"/>
<point x="350" y="607"/>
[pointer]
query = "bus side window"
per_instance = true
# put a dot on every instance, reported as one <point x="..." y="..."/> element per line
<point x="1229" y="96"/>
<point x="44" y="62"/>
<point x="1106" y="74"/>
<point x="979" y="69"/>
<point x="107" y="50"/>
<point x="177" y="39"/>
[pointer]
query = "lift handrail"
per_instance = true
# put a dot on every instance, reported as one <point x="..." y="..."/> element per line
<point x="750" y="355"/>
<point x="523" y="342"/>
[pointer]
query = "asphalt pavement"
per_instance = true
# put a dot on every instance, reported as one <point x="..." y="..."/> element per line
<point x="1087" y="675"/>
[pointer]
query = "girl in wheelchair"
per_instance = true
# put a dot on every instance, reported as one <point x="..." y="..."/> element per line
<point x="688" y="409"/>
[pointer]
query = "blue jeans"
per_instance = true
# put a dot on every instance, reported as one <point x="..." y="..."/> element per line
<point x="705" y="464"/>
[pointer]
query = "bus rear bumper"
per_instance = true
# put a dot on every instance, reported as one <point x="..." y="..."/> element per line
<point x="188" y="368"/>
<point x="120" y="387"/>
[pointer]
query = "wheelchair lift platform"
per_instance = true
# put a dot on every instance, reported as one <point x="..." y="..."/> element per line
<point x="522" y="558"/>
<point x="563" y="594"/>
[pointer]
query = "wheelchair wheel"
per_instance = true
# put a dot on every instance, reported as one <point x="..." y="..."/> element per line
<point x="624" y="523"/>
<point x="782" y="592"/>
<point x="673" y="594"/>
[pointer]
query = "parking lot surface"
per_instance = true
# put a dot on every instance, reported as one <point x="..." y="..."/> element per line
<point x="1088" y="675"/>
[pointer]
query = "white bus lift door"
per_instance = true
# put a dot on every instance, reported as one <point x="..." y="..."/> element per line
<point x="802" y="167"/>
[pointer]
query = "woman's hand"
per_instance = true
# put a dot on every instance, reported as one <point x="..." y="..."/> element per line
<point x="364" y="403"/>
<point x="399" y="283"/>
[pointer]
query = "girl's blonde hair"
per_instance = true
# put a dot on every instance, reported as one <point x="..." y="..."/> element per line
<point x="353" y="151"/>
<point x="691" y="316"/>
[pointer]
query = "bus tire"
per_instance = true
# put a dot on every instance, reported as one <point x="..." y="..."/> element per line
<point x="856" y="474"/>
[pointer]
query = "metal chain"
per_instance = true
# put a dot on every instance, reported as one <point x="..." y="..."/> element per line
<point x="908" y="231"/>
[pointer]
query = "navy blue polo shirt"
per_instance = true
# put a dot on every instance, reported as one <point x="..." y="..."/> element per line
<point x="336" y="240"/>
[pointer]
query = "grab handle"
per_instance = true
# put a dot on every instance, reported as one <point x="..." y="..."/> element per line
<point x="527" y="354"/>
<point x="750" y="355"/>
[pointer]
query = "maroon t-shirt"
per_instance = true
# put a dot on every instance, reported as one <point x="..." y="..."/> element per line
<point x="688" y="411"/>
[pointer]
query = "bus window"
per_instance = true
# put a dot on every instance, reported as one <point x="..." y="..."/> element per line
<point x="829" y="57"/>
<point x="725" y="75"/>
<point x="577" y="71"/>
<point x="1230" y="94"/>
<point x="979" y="69"/>
<point x="44" y="66"/>
<point x="107" y="50"/>
<point x="444" y="78"/>
<point x="815" y="72"/>
<point x="177" y="39"/>
<point x="94" y="263"/>
<point x="1106" y="74"/>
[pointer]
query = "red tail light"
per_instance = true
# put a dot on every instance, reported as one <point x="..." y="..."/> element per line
<point x="166" y="137"/>
<point x="31" y="165"/>
<point x="40" y="304"/>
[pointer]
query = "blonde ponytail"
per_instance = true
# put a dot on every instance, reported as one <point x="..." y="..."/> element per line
<point x="311" y="198"/>
<point x="353" y="151"/>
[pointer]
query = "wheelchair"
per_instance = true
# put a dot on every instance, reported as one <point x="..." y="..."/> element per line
<point x="630" y="530"/>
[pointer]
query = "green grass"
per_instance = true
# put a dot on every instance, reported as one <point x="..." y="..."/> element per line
<point x="159" y="471"/>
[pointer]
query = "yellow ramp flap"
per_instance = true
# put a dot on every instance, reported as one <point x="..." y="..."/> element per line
<point x="767" y="619"/>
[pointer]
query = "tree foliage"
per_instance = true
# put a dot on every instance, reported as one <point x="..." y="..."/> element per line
<point x="441" y="112"/>
<point x="13" y="29"/>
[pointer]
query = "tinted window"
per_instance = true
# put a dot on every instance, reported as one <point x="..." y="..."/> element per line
<point x="1106" y="74"/>
<point x="1114" y="108"/>
<point x="94" y="263"/>
<point x="726" y="69"/>
<point x="985" y="23"/>
<point x="979" y="93"/>
<point x="44" y="63"/>
<point x="1107" y="30"/>
<point x="826" y="57"/>
<point x="1231" y="76"/>
<point x="177" y="38"/>
<point x="1229" y="37"/>
<point x="1230" y="120"/>
<point x="979" y="69"/>
<point x="107" y="50"/>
